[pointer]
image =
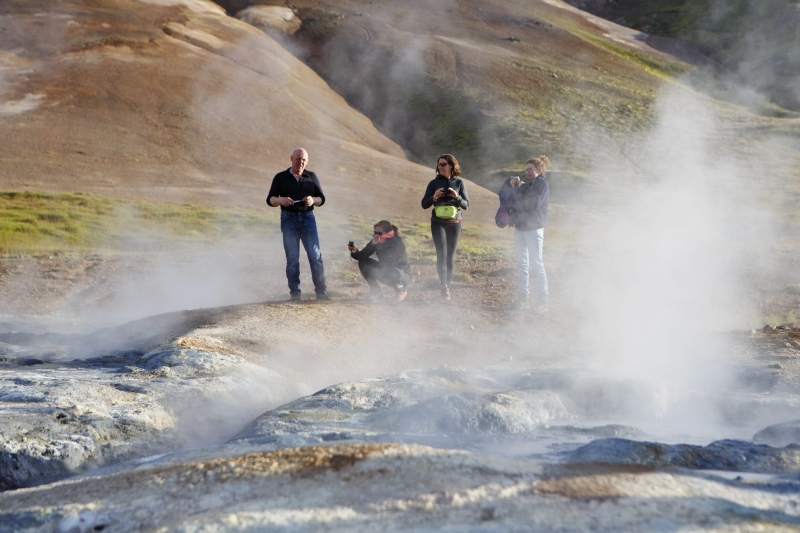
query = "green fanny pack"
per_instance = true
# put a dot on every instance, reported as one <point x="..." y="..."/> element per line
<point x="445" y="211"/>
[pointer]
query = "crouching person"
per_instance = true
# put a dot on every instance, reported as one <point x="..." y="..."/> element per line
<point x="391" y="267"/>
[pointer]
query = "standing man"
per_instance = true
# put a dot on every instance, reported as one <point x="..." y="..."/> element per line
<point x="297" y="191"/>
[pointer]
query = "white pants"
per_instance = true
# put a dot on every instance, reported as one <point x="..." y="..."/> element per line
<point x="528" y="246"/>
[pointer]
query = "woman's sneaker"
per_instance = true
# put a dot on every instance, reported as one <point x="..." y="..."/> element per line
<point x="445" y="292"/>
<point x="400" y="294"/>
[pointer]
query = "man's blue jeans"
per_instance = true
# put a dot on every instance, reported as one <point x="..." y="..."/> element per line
<point x="528" y="245"/>
<point x="298" y="227"/>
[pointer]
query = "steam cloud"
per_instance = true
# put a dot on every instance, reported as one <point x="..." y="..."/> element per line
<point x="662" y="265"/>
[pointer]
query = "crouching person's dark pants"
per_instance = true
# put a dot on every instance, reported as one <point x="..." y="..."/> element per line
<point x="373" y="271"/>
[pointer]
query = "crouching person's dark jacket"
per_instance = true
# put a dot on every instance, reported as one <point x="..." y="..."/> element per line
<point x="392" y="254"/>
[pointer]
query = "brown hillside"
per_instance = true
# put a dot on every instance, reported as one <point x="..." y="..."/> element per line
<point x="498" y="81"/>
<point x="494" y="81"/>
<point x="172" y="101"/>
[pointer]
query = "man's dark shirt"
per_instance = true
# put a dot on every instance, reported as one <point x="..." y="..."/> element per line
<point x="285" y="184"/>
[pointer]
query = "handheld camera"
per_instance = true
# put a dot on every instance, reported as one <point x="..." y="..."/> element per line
<point x="350" y="244"/>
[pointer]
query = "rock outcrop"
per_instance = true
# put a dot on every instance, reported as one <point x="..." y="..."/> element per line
<point x="779" y="434"/>
<point x="60" y="415"/>
<point x="389" y="487"/>
<point x="512" y="440"/>
<point x="733" y="455"/>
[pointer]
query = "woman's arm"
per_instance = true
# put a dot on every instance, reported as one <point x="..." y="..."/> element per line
<point x="462" y="200"/>
<point x="427" y="198"/>
<point x="363" y="253"/>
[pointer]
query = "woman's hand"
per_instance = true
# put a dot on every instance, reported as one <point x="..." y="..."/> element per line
<point x="450" y="192"/>
<point x="438" y="194"/>
<point x="515" y="181"/>
<point x="352" y="249"/>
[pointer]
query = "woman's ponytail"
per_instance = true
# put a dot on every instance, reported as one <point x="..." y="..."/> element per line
<point x="541" y="163"/>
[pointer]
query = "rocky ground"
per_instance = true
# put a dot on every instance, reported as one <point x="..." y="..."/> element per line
<point x="355" y="415"/>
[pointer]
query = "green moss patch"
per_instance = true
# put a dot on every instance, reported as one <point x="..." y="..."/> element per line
<point x="35" y="222"/>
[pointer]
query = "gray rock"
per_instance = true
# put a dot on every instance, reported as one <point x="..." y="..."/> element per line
<point x="271" y="19"/>
<point x="58" y="420"/>
<point x="779" y="434"/>
<point x="464" y="413"/>
<point x="730" y="455"/>
<point x="360" y="487"/>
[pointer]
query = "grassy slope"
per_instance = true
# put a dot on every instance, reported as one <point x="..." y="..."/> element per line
<point x="761" y="38"/>
<point x="43" y="223"/>
<point x="498" y="82"/>
<point x="33" y="222"/>
<point x="495" y="84"/>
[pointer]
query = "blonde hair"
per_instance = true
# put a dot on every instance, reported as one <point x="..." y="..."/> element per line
<point x="541" y="163"/>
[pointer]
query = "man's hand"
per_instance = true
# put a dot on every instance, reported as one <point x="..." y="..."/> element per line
<point x="308" y="200"/>
<point x="352" y="249"/>
<point x="285" y="201"/>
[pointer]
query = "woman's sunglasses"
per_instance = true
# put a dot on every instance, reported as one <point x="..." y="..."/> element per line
<point x="377" y="233"/>
<point x="444" y="164"/>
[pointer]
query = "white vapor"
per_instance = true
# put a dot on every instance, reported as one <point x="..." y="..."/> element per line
<point x="663" y="271"/>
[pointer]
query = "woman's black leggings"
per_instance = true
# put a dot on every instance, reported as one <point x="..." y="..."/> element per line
<point x="445" y="238"/>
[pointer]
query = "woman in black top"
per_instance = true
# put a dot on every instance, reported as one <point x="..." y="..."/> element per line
<point x="448" y="196"/>
<point x="392" y="266"/>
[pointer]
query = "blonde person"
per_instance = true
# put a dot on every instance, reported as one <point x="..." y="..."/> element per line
<point x="391" y="267"/>
<point x="448" y="196"/>
<point x="529" y="202"/>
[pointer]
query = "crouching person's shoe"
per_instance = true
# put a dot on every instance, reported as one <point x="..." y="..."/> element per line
<point x="295" y="297"/>
<point x="400" y="294"/>
<point x="323" y="295"/>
